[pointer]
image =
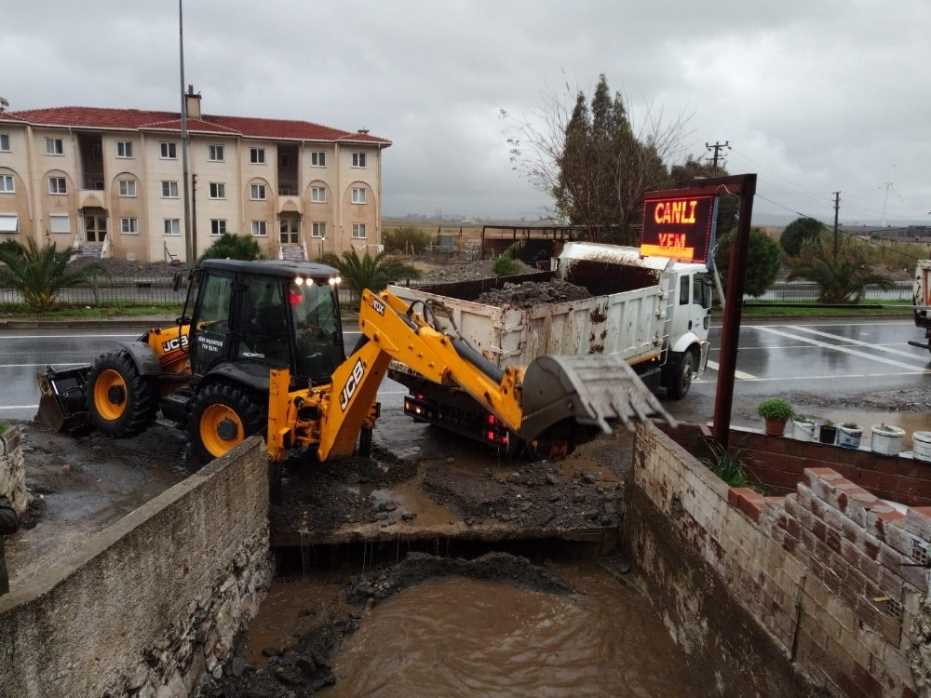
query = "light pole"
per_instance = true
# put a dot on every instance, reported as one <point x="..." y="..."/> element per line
<point x="189" y="251"/>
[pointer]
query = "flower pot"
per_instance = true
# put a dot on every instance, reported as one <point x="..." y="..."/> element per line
<point x="775" y="427"/>
<point x="921" y="445"/>
<point x="827" y="434"/>
<point x="803" y="430"/>
<point x="888" y="440"/>
<point x="849" y="435"/>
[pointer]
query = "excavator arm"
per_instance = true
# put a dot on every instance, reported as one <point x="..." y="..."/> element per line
<point x="591" y="390"/>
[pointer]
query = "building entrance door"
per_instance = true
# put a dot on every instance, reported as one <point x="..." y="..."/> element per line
<point x="290" y="229"/>
<point x="95" y="227"/>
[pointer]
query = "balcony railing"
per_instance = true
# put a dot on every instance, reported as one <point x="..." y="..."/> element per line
<point x="92" y="181"/>
<point x="287" y="189"/>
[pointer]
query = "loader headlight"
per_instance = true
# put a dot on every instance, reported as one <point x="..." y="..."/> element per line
<point x="335" y="281"/>
<point x="298" y="281"/>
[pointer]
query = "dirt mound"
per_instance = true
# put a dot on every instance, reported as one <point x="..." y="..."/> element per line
<point x="465" y="271"/>
<point x="531" y="293"/>
<point x="123" y="267"/>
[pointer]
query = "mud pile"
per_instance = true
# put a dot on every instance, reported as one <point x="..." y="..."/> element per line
<point x="531" y="293"/>
<point x="468" y="271"/>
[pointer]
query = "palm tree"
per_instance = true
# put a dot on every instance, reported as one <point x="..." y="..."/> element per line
<point x="844" y="276"/>
<point x="368" y="272"/>
<point x="39" y="273"/>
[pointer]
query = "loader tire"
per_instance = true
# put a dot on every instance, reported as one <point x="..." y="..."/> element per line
<point x="223" y="416"/>
<point x="120" y="401"/>
<point x="679" y="374"/>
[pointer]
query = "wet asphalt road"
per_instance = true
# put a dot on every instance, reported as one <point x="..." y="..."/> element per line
<point x="829" y="357"/>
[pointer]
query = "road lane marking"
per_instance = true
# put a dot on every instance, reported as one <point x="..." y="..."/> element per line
<point x="18" y="407"/>
<point x="878" y="347"/>
<point x="834" y="376"/>
<point x="63" y="336"/>
<point x="82" y="363"/>
<point x="844" y="350"/>
<point x="742" y="375"/>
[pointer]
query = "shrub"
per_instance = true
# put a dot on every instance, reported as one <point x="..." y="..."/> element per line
<point x="230" y="246"/>
<point x="368" y="272"/>
<point x="798" y="232"/>
<point x="39" y="273"/>
<point x="505" y="266"/>
<point x="842" y="276"/>
<point x="726" y="465"/>
<point x="775" y="408"/>
<point x="764" y="258"/>
<point x="406" y="240"/>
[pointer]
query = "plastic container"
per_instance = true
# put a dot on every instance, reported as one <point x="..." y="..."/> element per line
<point x="888" y="440"/>
<point x="803" y="431"/>
<point x="921" y="446"/>
<point x="827" y="434"/>
<point x="849" y="436"/>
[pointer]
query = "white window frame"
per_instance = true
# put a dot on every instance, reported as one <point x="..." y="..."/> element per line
<point x="256" y="155"/>
<point x="56" y="190"/>
<point x="7" y="179"/>
<point x="215" y="149"/>
<point x="318" y="158"/>
<point x="217" y="227"/>
<point x="132" y="228"/>
<point x="6" y="217"/>
<point x="169" y="147"/>
<point x="260" y="229"/>
<point x="318" y="195"/>
<point x="59" y="217"/>
<point x="129" y="190"/>
<point x="356" y="229"/>
<point x="258" y="187"/>
<point x="127" y="148"/>
<point x="360" y="199"/>
<point x="4" y="142"/>
<point x="217" y="190"/>
<point x="54" y="147"/>
<point x="171" y="226"/>
<point x="169" y="195"/>
<point x="360" y="160"/>
<point x="318" y="230"/>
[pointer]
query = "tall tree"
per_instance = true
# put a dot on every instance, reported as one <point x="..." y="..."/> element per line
<point x="764" y="258"/>
<point x="798" y="232"/>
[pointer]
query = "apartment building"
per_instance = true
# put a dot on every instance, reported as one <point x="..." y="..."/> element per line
<point x="109" y="181"/>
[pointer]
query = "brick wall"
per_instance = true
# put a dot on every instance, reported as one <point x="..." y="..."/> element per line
<point x="13" y="470"/>
<point x="151" y="603"/>
<point x="784" y="596"/>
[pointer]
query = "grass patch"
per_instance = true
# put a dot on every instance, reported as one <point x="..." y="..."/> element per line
<point x="3" y="428"/>
<point x="71" y="312"/>
<point x="786" y="310"/>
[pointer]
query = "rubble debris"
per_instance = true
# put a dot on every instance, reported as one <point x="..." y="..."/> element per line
<point x="531" y="293"/>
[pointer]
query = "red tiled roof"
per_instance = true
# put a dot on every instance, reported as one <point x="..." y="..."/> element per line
<point x="97" y="117"/>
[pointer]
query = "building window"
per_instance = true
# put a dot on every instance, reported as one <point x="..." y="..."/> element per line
<point x="124" y="149"/>
<point x="172" y="226"/>
<point x="128" y="187"/>
<point x="358" y="159"/>
<point x="218" y="226"/>
<point x="257" y="192"/>
<point x="169" y="189"/>
<point x="318" y="194"/>
<point x="57" y="185"/>
<point x="257" y="156"/>
<point x="259" y="228"/>
<point x="358" y="231"/>
<point x="169" y="151"/>
<point x="129" y="225"/>
<point x="358" y="195"/>
<point x="7" y="184"/>
<point x="4" y="142"/>
<point x="216" y="153"/>
<point x="59" y="225"/>
<point x="318" y="159"/>
<point x="54" y="146"/>
<point x="319" y="230"/>
<point x="9" y="223"/>
<point x="217" y="190"/>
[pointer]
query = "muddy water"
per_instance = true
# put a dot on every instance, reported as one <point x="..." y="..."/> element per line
<point x="460" y="637"/>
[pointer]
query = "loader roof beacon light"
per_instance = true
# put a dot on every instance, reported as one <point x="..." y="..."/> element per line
<point x="677" y="226"/>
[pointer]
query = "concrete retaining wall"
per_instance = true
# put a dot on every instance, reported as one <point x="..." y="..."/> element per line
<point x="813" y="593"/>
<point x="149" y="604"/>
<point x="13" y="469"/>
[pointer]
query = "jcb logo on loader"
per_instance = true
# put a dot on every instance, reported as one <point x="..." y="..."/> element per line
<point x="180" y="342"/>
<point x="378" y="306"/>
<point x="355" y="379"/>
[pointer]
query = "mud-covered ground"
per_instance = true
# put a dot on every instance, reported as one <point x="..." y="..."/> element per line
<point x="464" y="271"/>
<point x="304" y="667"/>
<point x="531" y="293"/>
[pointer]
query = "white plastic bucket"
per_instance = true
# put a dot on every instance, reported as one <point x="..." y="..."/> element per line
<point x="849" y="437"/>
<point x="888" y="440"/>
<point x="805" y="431"/>
<point x="921" y="445"/>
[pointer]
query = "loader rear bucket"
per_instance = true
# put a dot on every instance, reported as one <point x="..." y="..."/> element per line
<point x="62" y="405"/>
<point x="594" y="390"/>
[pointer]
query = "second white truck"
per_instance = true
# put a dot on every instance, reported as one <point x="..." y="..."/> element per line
<point x="652" y="311"/>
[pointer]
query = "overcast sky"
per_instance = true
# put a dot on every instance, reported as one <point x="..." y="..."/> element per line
<point x="814" y="95"/>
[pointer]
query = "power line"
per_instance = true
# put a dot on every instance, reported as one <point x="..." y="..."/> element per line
<point x="717" y="147"/>
<point x="836" y="212"/>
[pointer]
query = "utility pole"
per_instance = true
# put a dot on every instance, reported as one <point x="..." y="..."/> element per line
<point x="717" y="147"/>
<point x="836" y="210"/>
<point x="189" y="252"/>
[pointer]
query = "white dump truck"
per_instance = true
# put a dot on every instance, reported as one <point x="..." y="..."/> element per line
<point x="921" y="301"/>
<point x="652" y="311"/>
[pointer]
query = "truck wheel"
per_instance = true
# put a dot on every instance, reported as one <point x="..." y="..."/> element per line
<point x="222" y="416"/>
<point x="679" y="377"/>
<point x="120" y="402"/>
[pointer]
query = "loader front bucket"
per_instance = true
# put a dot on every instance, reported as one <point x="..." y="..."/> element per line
<point x="594" y="390"/>
<point x="62" y="405"/>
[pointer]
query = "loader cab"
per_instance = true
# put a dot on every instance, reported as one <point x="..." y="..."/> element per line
<point x="249" y="317"/>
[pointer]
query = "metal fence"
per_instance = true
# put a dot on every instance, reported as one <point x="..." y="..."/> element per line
<point x="809" y="292"/>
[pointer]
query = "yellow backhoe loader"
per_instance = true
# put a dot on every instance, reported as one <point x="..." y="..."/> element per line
<point x="259" y="350"/>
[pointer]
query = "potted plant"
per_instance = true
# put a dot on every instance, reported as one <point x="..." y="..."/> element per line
<point x="803" y="427"/>
<point x="827" y="434"/>
<point x="776" y="412"/>
<point x="887" y="439"/>
<point x="849" y="435"/>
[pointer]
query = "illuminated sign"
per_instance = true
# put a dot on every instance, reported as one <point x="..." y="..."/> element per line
<point x="677" y="226"/>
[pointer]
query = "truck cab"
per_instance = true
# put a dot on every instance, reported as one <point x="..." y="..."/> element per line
<point x="921" y="301"/>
